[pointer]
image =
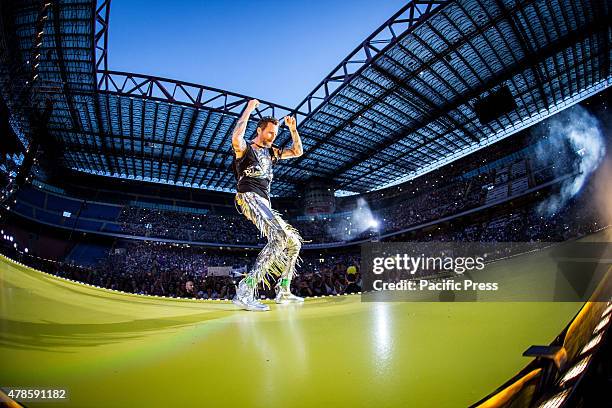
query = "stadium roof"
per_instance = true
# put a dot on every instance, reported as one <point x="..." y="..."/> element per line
<point x="401" y="104"/>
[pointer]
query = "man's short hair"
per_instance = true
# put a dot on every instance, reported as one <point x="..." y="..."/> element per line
<point x="263" y="122"/>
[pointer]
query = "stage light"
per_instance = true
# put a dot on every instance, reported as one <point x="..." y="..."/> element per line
<point x="556" y="400"/>
<point x="26" y="250"/>
<point x="594" y="341"/>
<point x="575" y="371"/>
<point x="600" y="326"/>
<point x="373" y="223"/>
<point x="608" y="309"/>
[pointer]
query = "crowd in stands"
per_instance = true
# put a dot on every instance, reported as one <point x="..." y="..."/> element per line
<point x="178" y="270"/>
<point x="433" y="204"/>
<point x="156" y="223"/>
<point x="409" y="206"/>
<point x="182" y="271"/>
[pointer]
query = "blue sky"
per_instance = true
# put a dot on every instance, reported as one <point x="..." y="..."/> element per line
<point x="273" y="50"/>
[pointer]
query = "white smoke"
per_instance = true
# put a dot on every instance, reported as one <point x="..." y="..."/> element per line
<point x="573" y="135"/>
<point x="358" y="221"/>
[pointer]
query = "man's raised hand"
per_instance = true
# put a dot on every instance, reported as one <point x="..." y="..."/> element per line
<point x="252" y="105"/>
<point x="238" y="142"/>
<point x="290" y="122"/>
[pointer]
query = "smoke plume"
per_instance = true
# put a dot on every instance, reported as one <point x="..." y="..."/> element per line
<point x="573" y="142"/>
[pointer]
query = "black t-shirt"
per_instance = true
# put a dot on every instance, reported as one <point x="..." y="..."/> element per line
<point x="253" y="171"/>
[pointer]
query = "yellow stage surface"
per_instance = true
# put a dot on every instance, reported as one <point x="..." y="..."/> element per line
<point x="110" y="349"/>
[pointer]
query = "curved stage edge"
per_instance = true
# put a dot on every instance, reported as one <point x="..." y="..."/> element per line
<point x="111" y="349"/>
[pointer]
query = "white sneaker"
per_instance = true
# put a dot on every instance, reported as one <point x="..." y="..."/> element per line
<point x="284" y="295"/>
<point x="245" y="299"/>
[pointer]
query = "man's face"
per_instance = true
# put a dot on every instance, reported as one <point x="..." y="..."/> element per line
<point x="268" y="134"/>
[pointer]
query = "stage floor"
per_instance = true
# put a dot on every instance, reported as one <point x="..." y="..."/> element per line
<point x="109" y="349"/>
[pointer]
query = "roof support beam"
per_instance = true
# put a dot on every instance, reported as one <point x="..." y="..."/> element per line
<point x="554" y="47"/>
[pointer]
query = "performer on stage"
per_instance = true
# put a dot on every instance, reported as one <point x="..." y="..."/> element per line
<point x="252" y="167"/>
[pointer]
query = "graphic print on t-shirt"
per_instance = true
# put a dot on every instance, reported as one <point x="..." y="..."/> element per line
<point x="262" y="169"/>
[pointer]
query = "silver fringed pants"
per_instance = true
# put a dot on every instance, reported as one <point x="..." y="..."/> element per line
<point x="280" y="256"/>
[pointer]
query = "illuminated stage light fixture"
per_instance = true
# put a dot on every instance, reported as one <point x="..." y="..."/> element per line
<point x="592" y="343"/>
<point x="608" y="310"/>
<point x="575" y="371"/>
<point x="602" y="324"/>
<point x="556" y="400"/>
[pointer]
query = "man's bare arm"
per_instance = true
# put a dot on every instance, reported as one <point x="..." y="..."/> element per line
<point x="296" y="147"/>
<point x="238" y="142"/>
